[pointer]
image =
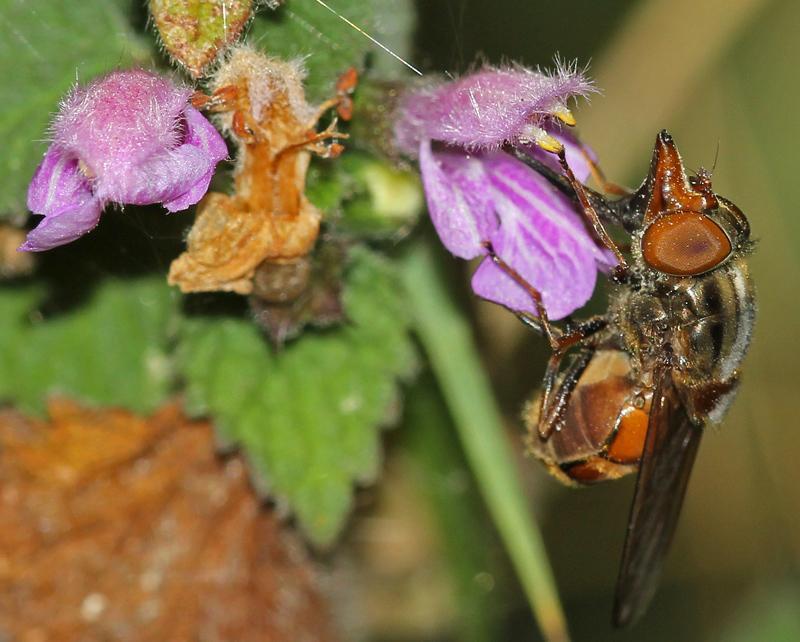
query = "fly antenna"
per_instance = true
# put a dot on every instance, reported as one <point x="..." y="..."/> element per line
<point x="716" y="157"/>
<point x="369" y="37"/>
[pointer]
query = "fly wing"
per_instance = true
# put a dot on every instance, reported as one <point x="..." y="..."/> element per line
<point x="669" y="452"/>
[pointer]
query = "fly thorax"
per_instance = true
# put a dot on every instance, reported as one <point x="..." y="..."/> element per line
<point x="643" y="320"/>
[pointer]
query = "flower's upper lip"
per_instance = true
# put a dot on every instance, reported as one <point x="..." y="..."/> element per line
<point x="120" y="118"/>
<point x="486" y="109"/>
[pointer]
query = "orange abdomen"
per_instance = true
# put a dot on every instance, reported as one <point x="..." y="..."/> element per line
<point x="601" y="432"/>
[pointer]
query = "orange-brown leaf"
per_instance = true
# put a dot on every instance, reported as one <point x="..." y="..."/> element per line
<point x="114" y="527"/>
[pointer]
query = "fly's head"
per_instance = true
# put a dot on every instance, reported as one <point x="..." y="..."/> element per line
<point x="686" y="229"/>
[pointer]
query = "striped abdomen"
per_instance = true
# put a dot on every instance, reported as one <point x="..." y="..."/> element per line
<point x="715" y="314"/>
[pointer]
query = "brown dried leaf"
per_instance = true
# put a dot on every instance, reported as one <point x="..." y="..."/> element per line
<point x="114" y="527"/>
<point x="195" y="32"/>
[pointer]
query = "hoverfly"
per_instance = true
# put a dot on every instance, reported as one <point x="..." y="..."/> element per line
<point x="645" y="377"/>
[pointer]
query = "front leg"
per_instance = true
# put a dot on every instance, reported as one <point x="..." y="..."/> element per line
<point x="600" y="178"/>
<point x="555" y="394"/>
<point x="552" y="333"/>
<point x="590" y="213"/>
<point x="559" y="340"/>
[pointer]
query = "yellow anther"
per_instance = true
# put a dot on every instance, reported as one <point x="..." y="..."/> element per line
<point x="565" y="116"/>
<point x="548" y="143"/>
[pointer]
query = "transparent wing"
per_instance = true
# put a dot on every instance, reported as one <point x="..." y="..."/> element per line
<point x="669" y="452"/>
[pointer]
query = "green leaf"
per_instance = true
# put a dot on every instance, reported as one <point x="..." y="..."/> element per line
<point x="44" y="47"/>
<point x="195" y="32"/>
<point x="110" y="351"/>
<point x="309" y="416"/>
<point x="305" y="28"/>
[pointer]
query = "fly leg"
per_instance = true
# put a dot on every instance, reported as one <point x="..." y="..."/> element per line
<point x="590" y="214"/>
<point x="606" y="185"/>
<point x="558" y="339"/>
<point x="600" y="178"/>
<point x="543" y="322"/>
<point x="555" y="396"/>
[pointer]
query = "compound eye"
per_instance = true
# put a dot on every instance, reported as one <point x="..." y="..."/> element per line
<point x="685" y="244"/>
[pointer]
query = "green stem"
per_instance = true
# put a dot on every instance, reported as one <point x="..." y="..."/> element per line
<point x="447" y="339"/>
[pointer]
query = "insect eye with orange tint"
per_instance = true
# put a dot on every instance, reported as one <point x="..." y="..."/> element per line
<point x="684" y="244"/>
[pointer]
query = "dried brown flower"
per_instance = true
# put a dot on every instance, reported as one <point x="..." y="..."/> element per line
<point x="260" y="104"/>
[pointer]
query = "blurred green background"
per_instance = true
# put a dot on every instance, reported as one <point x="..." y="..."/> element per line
<point x="721" y="75"/>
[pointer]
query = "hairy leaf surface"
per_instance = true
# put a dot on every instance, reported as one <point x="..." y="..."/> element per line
<point x="309" y="416"/>
<point x="112" y="350"/>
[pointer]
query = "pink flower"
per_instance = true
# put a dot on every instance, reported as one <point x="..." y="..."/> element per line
<point x="130" y="137"/>
<point x="478" y="193"/>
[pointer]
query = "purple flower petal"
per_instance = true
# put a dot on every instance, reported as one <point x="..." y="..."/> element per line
<point x="456" y="190"/>
<point x="177" y="177"/>
<point x="57" y="185"/>
<point x="486" y="109"/>
<point x="63" y="228"/>
<point x="63" y="195"/>
<point x="164" y="177"/>
<point x="540" y="236"/>
<point x="120" y="120"/>
<point x="128" y="137"/>
<point x="203" y="135"/>
<point x="476" y="193"/>
<point x="195" y="192"/>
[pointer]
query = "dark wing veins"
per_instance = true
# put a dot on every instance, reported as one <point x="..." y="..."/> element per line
<point x="667" y="459"/>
